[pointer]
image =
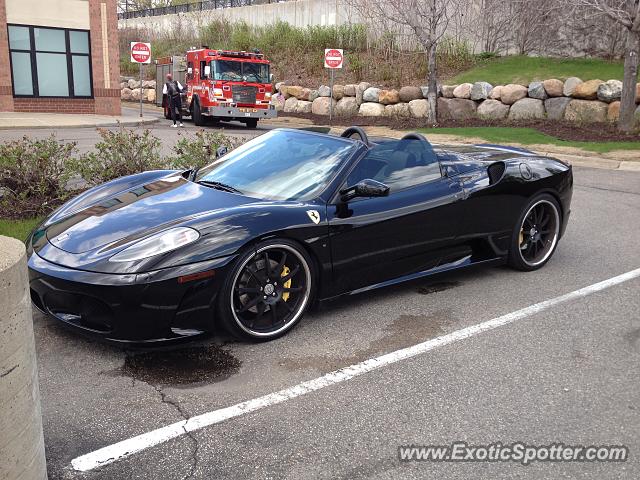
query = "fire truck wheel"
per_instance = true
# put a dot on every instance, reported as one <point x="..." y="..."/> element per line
<point x="197" y="114"/>
<point x="252" y="123"/>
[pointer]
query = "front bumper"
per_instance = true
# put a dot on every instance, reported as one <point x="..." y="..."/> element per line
<point x="149" y="308"/>
<point x="240" y="113"/>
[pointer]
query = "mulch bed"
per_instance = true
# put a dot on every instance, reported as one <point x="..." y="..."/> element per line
<point x="585" y="132"/>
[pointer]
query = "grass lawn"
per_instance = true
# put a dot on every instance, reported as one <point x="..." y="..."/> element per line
<point x="18" y="228"/>
<point x="522" y="69"/>
<point x="529" y="136"/>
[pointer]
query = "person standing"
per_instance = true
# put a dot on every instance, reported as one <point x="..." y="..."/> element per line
<point x="172" y="89"/>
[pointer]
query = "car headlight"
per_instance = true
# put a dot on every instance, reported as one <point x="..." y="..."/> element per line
<point x="157" y="244"/>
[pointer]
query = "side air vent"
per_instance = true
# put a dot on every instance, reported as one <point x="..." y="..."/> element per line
<point x="495" y="170"/>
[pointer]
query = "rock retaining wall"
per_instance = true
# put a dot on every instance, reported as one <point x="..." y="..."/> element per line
<point x="131" y="89"/>
<point x="572" y="99"/>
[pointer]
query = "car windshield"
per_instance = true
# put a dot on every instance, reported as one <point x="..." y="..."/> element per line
<point x="240" y="71"/>
<point x="280" y="165"/>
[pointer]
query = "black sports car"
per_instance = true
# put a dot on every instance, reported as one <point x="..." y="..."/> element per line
<point x="292" y="216"/>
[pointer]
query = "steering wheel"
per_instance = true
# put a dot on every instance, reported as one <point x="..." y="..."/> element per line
<point x="348" y="133"/>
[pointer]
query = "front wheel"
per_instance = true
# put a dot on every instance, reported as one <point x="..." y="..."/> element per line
<point x="197" y="114"/>
<point x="536" y="234"/>
<point x="267" y="291"/>
<point x="251" y="123"/>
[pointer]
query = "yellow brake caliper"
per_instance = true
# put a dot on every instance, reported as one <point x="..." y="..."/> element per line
<point x="287" y="284"/>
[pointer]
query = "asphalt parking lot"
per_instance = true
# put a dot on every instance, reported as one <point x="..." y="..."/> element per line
<point x="569" y="373"/>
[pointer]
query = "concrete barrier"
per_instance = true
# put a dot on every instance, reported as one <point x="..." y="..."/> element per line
<point x="21" y="439"/>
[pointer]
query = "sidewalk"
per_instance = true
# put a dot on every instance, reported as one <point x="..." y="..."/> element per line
<point x="21" y="120"/>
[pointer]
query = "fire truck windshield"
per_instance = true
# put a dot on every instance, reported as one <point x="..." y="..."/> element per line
<point x="240" y="71"/>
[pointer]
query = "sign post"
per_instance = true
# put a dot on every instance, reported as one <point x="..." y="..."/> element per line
<point x="333" y="58"/>
<point x="140" y="54"/>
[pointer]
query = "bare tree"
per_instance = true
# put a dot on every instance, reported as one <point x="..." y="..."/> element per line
<point x="427" y="20"/>
<point x="627" y="14"/>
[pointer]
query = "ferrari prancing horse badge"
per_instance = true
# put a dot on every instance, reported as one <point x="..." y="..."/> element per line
<point x="314" y="216"/>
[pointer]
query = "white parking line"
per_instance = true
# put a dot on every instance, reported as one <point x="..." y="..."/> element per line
<point x="133" y="445"/>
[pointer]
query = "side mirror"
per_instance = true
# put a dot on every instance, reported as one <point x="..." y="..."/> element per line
<point x="221" y="151"/>
<point x="189" y="71"/>
<point x="207" y="71"/>
<point x="271" y="77"/>
<point x="365" y="188"/>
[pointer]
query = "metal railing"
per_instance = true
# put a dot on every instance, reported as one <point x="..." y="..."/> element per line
<point x="191" y="7"/>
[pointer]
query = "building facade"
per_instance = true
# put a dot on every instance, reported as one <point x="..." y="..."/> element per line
<point x="59" y="56"/>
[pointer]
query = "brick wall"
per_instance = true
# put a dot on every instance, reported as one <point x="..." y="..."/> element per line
<point x="6" y="93"/>
<point x="106" y="90"/>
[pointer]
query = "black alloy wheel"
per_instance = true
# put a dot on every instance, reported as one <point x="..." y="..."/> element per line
<point x="536" y="235"/>
<point x="269" y="290"/>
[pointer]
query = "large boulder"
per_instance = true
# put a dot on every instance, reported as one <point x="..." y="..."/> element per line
<point x="279" y="86"/>
<point x="149" y="84"/>
<point x="347" y="107"/>
<point x="447" y="90"/>
<point x="388" y="97"/>
<point x="371" y="94"/>
<point x="556" y="107"/>
<point x="586" y="111"/>
<point x="481" y="90"/>
<point x="425" y="91"/>
<point x="278" y="100"/>
<point x="410" y="93"/>
<point x="456" y="108"/>
<point x="125" y="93"/>
<point x="511" y="93"/>
<point x="150" y="95"/>
<point x="371" y="109"/>
<point x="398" y="110"/>
<point x="570" y="85"/>
<point x="493" y="110"/>
<point x="360" y="89"/>
<point x="350" y="90"/>
<point x="613" y="112"/>
<point x="324" y="91"/>
<point x="537" y="90"/>
<point x="496" y="93"/>
<point x="290" y="105"/>
<point x="637" y="92"/>
<point x="304" y="95"/>
<point x="313" y="94"/>
<point x="419" y="108"/>
<point x="133" y="84"/>
<point x="610" y="91"/>
<point x="338" y="92"/>
<point x="321" y="105"/>
<point x="587" y="90"/>
<point x="135" y="94"/>
<point x="463" y="90"/>
<point x="303" y="106"/>
<point x="527" y="109"/>
<point x="636" y="115"/>
<point x="553" y="87"/>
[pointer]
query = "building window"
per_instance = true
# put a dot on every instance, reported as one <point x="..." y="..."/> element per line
<point x="50" y="62"/>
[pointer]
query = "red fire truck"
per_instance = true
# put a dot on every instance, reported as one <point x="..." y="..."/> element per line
<point x="219" y="84"/>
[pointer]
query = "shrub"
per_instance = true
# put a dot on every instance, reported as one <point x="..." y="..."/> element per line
<point x="121" y="152"/>
<point x="201" y="150"/>
<point x="33" y="176"/>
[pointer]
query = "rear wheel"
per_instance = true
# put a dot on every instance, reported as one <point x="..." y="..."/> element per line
<point x="251" y="123"/>
<point x="268" y="290"/>
<point x="536" y="234"/>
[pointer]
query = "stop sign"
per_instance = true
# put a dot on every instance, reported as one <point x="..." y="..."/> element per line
<point x="140" y="52"/>
<point x="333" y="58"/>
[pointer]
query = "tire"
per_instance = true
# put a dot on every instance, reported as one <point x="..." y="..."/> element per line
<point x="536" y="234"/>
<point x="251" y="123"/>
<point x="198" y="120"/>
<point x="253" y="306"/>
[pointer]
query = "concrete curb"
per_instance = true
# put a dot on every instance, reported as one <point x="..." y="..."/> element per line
<point x="108" y="123"/>
<point x="22" y="441"/>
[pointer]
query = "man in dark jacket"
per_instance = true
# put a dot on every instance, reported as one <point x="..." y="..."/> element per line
<point x="172" y="89"/>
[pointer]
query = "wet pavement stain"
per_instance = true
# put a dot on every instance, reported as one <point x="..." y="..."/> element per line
<point x="182" y="366"/>
<point x="436" y="287"/>
<point x="405" y="331"/>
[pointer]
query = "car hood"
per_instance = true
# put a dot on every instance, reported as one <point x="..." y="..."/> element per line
<point x="136" y="212"/>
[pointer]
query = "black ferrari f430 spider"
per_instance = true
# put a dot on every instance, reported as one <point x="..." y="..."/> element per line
<point x="250" y="241"/>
